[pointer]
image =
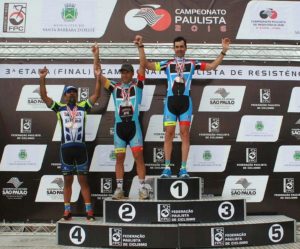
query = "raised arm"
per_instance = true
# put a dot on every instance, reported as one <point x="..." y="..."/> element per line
<point x="43" y="73"/>
<point x="97" y="73"/>
<point x="213" y="65"/>
<point x="139" y="43"/>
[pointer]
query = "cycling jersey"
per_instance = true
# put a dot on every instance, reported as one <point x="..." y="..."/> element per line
<point x="188" y="68"/>
<point x="178" y="104"/>
<point x="127" y="98"/>
<point x="72" y="120"/>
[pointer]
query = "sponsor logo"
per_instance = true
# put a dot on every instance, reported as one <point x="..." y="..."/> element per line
<point x="106" y="185"/>
<point x="164" y="212"/>
<point x="251" y="188"/>
<point x="221" y="99"/>
<point x="296" y="156"/>
<point x="22" y="154"/>
<point x="214" y="125"/>
<point x="259" y="126"/>
<point x="15" y="193"/>
<point x="25" y="125"/>
<point x="69" y="13"/>
<point x="83" y="93"/>
<point x="295" y="132"/>
<point x="268" y="13"/>
<point x="115" y="236"/>
<point x="14" y="17"/>
<point x="148" y="15"/>
<point x="104" y="159"/>
<point x="51" y="189"/>
<point x="251" y="155"/>
<point x="22" y="157"/>
<point x="207" y="156"/>
<point x="158" y="155"/>
<point x="265" y="101"/>
<point x="217" y="236"/>
<point x="265" y="95"/>
<point x="15" y="181"/>
<point x="288" y="185"/>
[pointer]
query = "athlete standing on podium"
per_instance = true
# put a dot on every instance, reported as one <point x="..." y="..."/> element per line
<point x="178" y="103"/>
<point x="73" y="152"/>
<point x="127" y="96"/>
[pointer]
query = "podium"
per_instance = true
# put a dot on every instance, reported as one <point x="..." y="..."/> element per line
<point x="174" y="219"/>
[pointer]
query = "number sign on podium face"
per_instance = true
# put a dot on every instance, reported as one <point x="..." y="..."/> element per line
<point x="178" y="189"/>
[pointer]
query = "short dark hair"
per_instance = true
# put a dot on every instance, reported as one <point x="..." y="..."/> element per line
<point x="178" y="39"/>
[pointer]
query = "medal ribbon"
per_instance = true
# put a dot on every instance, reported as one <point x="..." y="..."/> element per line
<point x="180" y="67"/>
<point x="72" y="114"/>
<point x="125" y="94"/>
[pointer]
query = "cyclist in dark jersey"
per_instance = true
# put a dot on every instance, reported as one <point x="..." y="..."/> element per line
<point x="178" y="104"/>
<point x="127" y="96"/>
<point x="73" y="153"/>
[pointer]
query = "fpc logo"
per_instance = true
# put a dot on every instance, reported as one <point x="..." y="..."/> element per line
<point x="217" y="236"/>
<point x="268" y="13"/>
<point x="14" y="17"/>
<point x="149" y="14"/>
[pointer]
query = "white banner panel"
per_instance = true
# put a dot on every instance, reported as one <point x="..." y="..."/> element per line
<point x="270" y="20"/>
<point x="288" y="159"/>
<point x="251" y="188"/>
<point x="259" y="128"/>
<point x="30" y="99"/>
<point x="294" y="104"/>
<point x="55" y="18"/>
<point x="23" y="157"/>
<point x="222" y="98"/>
<point x="208" y="158"/>
<point x="79" y="71"/>
<point x="51" y="189"/>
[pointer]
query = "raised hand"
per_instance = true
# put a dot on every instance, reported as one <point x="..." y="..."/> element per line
<point x="95" y="49"/>
<point x="43" y="72"/>
<point x="138" y="40"/>
<point x="225" y="44"/>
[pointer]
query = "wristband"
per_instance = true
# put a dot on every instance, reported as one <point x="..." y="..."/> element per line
<point x="222" y="53"/>
<point x="141" y="46"/>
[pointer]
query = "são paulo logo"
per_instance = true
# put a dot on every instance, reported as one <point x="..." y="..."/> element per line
<point x="149" y="14"/>
<point x="264" y="14"/>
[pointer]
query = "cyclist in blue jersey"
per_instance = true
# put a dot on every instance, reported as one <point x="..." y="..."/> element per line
<point x="178" y="104"/>
<point x="127" y="96"/>
<point x="73" y="153"/>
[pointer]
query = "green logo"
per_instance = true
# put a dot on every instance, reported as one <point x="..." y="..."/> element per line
<point x="22" y="154"/>
<point x="297" y="156"/>
<point x="259" y="126"/>
<point x="207" y="155"/>
<point x="112" y="155"/>
<point x="69" y="13"/>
